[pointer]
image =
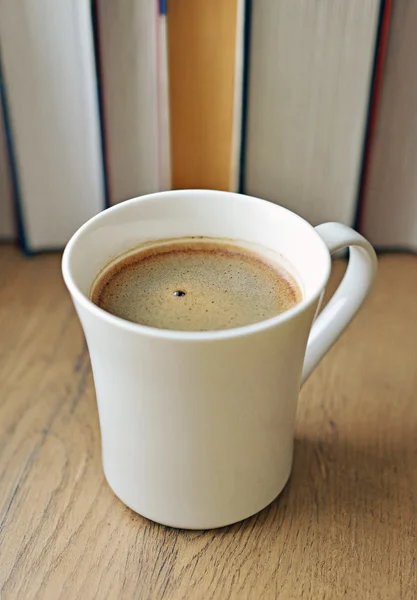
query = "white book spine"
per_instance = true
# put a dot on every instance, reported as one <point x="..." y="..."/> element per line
<point x="389" y="213"/>
<point x="128" y="33"/>
<point x="238" y="97"/>
<point x="50" y="78"/>
<point x="309" y="88"/>
<point x="163" y="106"/>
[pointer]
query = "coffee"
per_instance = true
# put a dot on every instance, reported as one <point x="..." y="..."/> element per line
<point x="195" y="284"/>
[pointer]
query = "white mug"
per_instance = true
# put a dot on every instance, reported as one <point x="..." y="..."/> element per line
<point x="197" y="427"/>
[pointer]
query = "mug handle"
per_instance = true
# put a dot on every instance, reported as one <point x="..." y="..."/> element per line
<point x="349" y="296"/>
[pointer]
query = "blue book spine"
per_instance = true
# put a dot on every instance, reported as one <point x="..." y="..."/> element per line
<point x="163" y="7"/>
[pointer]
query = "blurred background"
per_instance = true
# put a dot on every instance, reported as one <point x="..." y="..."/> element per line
<point x="312" y="105"/>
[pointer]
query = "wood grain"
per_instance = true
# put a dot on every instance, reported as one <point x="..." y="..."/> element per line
<point x="202" y="50"/>
<point x="345" y="526"/>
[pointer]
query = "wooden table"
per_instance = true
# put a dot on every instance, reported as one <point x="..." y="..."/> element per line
<point x="345" y="526"/>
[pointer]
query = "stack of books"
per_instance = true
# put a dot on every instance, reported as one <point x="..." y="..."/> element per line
<point x="307" y="104"/>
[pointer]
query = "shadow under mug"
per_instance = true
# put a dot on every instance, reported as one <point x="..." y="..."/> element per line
<point x="197" y="427"/>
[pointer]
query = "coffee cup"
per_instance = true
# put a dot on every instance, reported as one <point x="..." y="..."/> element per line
<point x="196" y="427"/>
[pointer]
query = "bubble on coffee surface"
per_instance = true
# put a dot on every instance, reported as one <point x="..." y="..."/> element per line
<point x="196" y="286"/>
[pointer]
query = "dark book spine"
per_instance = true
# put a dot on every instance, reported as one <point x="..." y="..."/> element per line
<point x="13" y="166"/>
<point x="245" y="91"/>
<point x="100" y="96"/>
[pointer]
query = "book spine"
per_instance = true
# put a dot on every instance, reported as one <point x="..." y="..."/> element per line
<point x="164" y="149"/>
<point x="376" y="85"/>
<point x="163" y="6"/>
<point x="238" y="96"/>
<point x="100" y="96"/>
<point x="13" y="166"/>
<point x="245" y="92"/>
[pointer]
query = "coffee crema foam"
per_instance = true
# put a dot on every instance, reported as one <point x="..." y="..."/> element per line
<point x="195" y="284"/>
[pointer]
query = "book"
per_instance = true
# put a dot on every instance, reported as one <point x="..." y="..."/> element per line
<point x="205" y="41"/>
<point x="134" y="92"/>
<point x="389" y="205"/>
<point x="310" y="72"/>
<point x="164" y="129"/>
<point x="49" y="72"/>
<point x="8" y="229"/>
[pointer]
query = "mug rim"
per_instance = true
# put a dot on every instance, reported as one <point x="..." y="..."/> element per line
<point x="179" y="335"/>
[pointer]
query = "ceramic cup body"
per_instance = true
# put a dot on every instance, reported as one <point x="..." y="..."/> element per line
<point x="197" y="428"/>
